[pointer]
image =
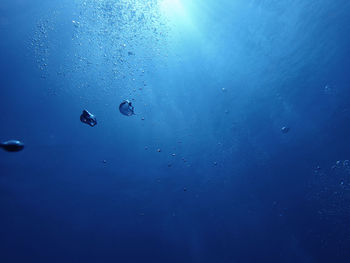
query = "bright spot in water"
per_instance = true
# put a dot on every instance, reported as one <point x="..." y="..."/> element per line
<point x="176" y="12"/>
<point x="171" y="7"/>
<point x="179" y="15"/>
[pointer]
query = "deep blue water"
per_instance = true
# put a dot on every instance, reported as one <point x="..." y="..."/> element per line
<point x="202" y="172"/>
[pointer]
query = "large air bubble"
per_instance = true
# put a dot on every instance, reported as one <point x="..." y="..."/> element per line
<point x="12" y="146"/>
<point x="88" y="118"/>
<point x="126" y="108"/>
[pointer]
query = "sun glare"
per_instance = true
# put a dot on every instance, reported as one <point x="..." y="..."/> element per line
<point x="172" y="8"/>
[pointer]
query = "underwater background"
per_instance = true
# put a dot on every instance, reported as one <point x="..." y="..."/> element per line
<point x="238" y="150"/>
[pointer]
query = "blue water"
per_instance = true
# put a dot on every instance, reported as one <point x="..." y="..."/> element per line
<point x="202" y="172"/>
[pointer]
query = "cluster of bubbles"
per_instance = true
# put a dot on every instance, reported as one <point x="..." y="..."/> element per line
<point x="119" y="39"/>
<point x="114" y="45"/>
<point x="40" y="45"/>
<point x="329" y="201"/>
<point x="331" y="190"/>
